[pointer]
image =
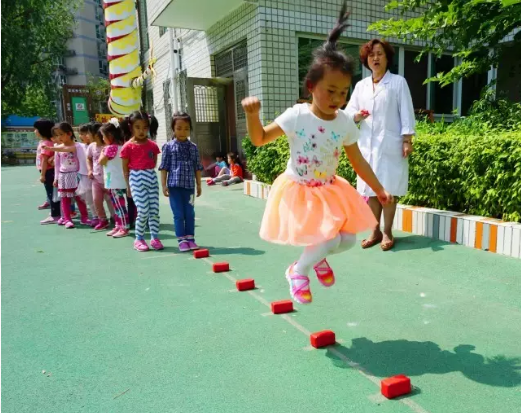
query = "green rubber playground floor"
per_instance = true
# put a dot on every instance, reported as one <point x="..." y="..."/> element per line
<point x="120" y="331"/>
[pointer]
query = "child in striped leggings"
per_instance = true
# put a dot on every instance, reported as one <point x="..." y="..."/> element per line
<point x="114" y="179"/>
<point x="139" y="156"/>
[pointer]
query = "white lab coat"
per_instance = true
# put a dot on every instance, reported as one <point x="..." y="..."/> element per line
<point x="391" y="115"/>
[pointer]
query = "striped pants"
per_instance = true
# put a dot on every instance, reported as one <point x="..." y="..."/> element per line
<point x="145" y="193"/>
<point x="118" y="198"/>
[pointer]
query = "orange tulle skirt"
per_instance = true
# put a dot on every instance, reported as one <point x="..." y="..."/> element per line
<point x="301" y="215"/>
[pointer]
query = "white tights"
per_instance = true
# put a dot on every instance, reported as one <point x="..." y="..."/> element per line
<point x="313" y="254"/>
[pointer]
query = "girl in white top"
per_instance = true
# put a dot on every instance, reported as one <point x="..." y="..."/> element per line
<point x="308" y="204"/>
<point x="114" y="179"/>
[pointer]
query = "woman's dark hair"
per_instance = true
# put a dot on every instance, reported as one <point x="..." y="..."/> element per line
<point x="44" y="127"/>
<point x="84" y="128"/>
<point x="181" y="116"/>
<point x="115" y="132"/>
<point x="64" y="127"/>
<point x="367" y="48"/>
<point x="154" y="126"/>
<point x="235" y="158"/>
<point x="328" y="56"/>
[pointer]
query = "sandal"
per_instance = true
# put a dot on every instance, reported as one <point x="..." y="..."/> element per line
<point x="325" y="273"/>
<point x="388" y="245"/>
<point x="368" y="243"/>
<point x="302" y="293"/>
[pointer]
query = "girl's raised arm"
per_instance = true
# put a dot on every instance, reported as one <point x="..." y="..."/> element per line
<point x="259" y="135"/>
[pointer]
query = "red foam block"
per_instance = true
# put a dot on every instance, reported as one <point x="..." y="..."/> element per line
<point x="323" y="339"/>
<point x="221" y="267"/>
<point x="396" y="386"/>
<point x="201" y="253"/>
<point x="244" y="285"/>
<point x="280" y="307"/>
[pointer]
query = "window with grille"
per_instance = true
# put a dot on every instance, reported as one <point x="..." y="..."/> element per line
<point x="206" y="106"/>
<point x="241" y="87"/>
<point x="230" y="61"/>
<point x="224" y="64"/>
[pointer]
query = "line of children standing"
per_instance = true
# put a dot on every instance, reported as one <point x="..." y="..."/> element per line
<point x="102" y="168"/>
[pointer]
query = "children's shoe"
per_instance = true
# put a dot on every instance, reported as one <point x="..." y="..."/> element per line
<point x="156" y="244"/>
<point x="45" y="205"/>
<point x="74" y="214"/>
<point x="300" y="292"/>
<point x="49" y="220"/>
<point x="325" y="273"/>
<point x="94" y="222"/>
<point x="61" y="221"/>
<point x="69" y="225"/>
<point x="121" y="233"/>
<point x="103" y="224"/>
<point x="113" y="232"/>
<point x="140" y="245"/>
<point x="86" y="221"/>
<point x="210" y="182"/>
<point x="184" y="246"/>
<point x="193" y="245"/>
<point x="225" y="183"/>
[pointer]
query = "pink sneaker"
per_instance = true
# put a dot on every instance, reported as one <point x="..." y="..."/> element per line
<point x="45" y="205"/>
<point x="86" y="221"/>
<point x="193" y="245"/>
<point x="49" y="220"/>
<point x="210" y="182"/>
<point x="103" y="224"/>
<point x="61" y="221"/>
<point x="299" y="292"/>
<point x="325" y="273"/>
<point x="121" y="233"/>
<point x="140" y="245"/>
<point x="184" y="246"/>
<point x="113" y="232"/>
<point x="69" y="225"/>
<point x="94" y="222"/>
<point x="156" y="244"/>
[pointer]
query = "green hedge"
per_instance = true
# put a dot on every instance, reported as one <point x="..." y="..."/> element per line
<point x="478" y="175"/>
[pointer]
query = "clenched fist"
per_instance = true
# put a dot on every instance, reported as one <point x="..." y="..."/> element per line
<point x="251" y="105"/>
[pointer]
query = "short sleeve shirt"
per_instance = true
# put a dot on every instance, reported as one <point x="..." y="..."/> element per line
<point x="140" y="156"/>
<point x="40" y="152"/>
<point x="94" y="152"/>
<point x="315" y="144"/>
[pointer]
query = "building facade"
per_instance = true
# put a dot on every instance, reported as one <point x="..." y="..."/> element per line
<point x="87" y="49"/>
<point x="263" y="48"/>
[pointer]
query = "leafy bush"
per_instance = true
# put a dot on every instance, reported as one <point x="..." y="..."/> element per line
<point x="476" y="174"/>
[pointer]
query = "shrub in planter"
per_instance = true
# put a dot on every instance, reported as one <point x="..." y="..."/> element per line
<point x="477" y="174"/>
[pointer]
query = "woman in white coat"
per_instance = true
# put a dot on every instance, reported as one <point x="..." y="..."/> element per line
<point x="382" y="105"/>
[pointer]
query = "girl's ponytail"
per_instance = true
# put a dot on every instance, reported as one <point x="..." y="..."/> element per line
<point x="340" y="26"/>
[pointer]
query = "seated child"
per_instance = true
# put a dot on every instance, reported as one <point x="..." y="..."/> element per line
<point x="232" y="175"/>
<point x="218" y="166"/>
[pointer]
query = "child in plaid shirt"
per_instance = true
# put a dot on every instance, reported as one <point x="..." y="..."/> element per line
<point x="181" y="165"/>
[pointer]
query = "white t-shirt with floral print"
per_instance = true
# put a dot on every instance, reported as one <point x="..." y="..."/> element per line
<point x="315" y="144"/>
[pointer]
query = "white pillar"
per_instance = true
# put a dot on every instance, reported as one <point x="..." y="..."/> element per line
<point x="173" y="70"/>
